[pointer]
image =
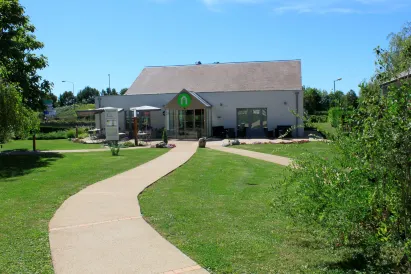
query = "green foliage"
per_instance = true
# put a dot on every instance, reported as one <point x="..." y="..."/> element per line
<point x="67" y="98"/>
<point x="351" y="99"/>
<point x="18" y="59"/>
<point x="123" y="91"/>
<point x="87" y="95"/>
<point x="165" y="137"/>
<point x="109" y="91"/>
<point x="15" y="119"/>
<point x="318" y="118"/>
<point x="129" y="144"/>
<point x="61" y="134"/>
<point x="335" y="116"/>
<point x="114" y="148"/>
<point x="396" y="59"/>
<point x="363" y="194"/>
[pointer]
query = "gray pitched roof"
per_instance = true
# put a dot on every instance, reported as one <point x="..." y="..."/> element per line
<point x="224" y="77"/>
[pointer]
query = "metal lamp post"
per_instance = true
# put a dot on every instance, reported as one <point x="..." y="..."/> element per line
<point x="339" y="79"/>
<point x="64" y="81"/>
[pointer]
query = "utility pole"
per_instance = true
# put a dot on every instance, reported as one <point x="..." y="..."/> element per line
<point x="109" y="86"/>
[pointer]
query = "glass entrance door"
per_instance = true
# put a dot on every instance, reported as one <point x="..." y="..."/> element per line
<point x="191" y="124"/>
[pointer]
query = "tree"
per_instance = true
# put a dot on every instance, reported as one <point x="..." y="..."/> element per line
<point x="18" y="46"/>
<point x="123" y="91"/>
<point x="15" y="118"/>
<point x="109" y="91"/>
<point x="67" y="98"/>
<point x="397" y="58"/>
<point x="336" y="99"/>
<point x="351" y="99"/>
<point x="312" y="99"/>
<point x="87" y="95"/>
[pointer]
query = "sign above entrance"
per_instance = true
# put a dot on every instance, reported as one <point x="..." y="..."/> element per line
<point x="184" y="100"/>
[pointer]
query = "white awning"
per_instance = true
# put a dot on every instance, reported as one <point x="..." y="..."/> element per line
<point x="145" y="108"/>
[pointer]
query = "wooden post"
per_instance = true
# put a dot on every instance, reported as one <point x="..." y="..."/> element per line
<point x="34" y="142"/>
<point x="135" y="131"/>
<point x="76" y="132"/>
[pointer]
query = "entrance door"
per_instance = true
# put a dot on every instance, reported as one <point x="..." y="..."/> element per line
<point x="252" y="122"/>
<point x="190" y="124"/>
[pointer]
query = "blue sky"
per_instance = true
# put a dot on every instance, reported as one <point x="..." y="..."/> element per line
<point x="85" y="40"/>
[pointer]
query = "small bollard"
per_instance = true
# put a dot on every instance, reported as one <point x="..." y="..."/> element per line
<point x="202" y="142"/>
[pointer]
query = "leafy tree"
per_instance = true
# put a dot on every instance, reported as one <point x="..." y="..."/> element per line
<point x="87" y="95"/>
<point x="67" y="98"/>
<point x="336" y="99"/>
<point x="352" y="99"/>
<point x="325" y="101"/>
<point x="109" y="91"/>
<point x="312" y="100"/>
<point x="15" y="118"/>
<point x="123" y="91"/>
<point x="397" y="58"/>
<point x="52" y="97"/>
<point x="18" y="46"/>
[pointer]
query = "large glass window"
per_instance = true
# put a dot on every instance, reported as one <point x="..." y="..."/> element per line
<point x="251" y="122"/>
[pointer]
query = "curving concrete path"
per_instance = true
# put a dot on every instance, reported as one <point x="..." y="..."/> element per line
<point x="101" y="230"/>
<point x="252" y="154"/>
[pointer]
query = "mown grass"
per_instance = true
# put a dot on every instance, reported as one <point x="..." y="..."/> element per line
<point x="218" y="210"/>
<point x="61" y="144"/>
<point x="32" y="187"/>
<point x="292" y="150"/>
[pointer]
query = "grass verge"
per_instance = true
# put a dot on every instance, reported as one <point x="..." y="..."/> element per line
<point x="32" y="187"/>
<point x="291" y="150"/>
<point x="217" y="209"/>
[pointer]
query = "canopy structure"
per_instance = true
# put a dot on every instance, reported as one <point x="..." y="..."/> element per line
<point x="91" y="112"/>
<point x="144" y="108"/>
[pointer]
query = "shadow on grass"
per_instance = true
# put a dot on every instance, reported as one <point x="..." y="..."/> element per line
<point x="21" y="162"/>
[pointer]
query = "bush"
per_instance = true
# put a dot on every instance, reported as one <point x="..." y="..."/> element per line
<point x="62" y="134"/>
<point x="362" y="196"/>
<point x="335" y="116"/>
<point x="318" y="118"/>
<point x="129" y="144"/>
<point x="165" y="137"/>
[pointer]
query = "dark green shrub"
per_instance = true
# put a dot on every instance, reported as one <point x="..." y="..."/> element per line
<point x="318" y="118"/>
<point x="165" y="137"/>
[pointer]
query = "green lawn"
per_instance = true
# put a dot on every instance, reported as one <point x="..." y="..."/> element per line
<point x="291" y="150"/>
<point x="32" y="187"/>
<point x="217" y="210"/>
<point x="47" y="145"/>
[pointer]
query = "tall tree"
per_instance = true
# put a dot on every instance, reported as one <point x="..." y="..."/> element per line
<point x="337" y="99"/>
<point x="15" y="118"/>
<point x="87" y="95"/>
<point x="18" y="47"/>
<point x="67" y="98"/>
<point x="123" y="91"/>
<point x="109" y="91"/>
<point x="52" y="97"/>
<point x="312" y="99"/>
<point x="352" y="99"/>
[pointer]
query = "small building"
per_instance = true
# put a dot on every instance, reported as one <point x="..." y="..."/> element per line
<point x="248" y="99"/>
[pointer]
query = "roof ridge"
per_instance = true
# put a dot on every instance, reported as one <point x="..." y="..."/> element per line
<point x="225" y="63"/>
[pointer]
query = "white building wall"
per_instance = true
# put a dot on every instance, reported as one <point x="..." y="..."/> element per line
<point x="279" y="105"/>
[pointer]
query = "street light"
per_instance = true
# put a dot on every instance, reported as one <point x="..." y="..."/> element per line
<point x="339" y="79"/>
<point x="64" y="81"/>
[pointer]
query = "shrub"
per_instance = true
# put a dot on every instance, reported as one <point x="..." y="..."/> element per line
<point x="114" y="148"/>
<point x="318" y="118"/>
<point x="129" y="144"/>
<point x="165" y="137"/>
<point x="335" y="116"/>
<point x="363" y="195"/>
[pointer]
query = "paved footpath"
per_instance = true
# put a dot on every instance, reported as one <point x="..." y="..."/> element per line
<point x="257" y="155"/>
<point x="101" y="230"/>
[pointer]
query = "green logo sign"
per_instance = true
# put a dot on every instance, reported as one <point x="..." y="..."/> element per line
<point x="184" y="100"/>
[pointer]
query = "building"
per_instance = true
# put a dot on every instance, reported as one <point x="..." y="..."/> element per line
<point x="248" y="99"/>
